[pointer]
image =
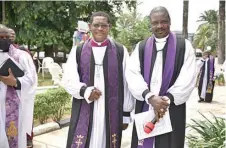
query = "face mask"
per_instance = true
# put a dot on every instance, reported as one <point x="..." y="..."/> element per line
<point x="4" y="45"/>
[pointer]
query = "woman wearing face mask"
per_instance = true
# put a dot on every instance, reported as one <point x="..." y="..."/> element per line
<point x="16" y="95"/>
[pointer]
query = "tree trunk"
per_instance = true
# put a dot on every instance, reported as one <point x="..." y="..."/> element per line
<point x="221" y="33"/>
<point x="29" y="45"/>
<point x="55" y="48"/>
<point x="3" y="12"/>
<point x="65" y="56"/>
<point x="48" y="50"/>
<point x="185" y="19"/>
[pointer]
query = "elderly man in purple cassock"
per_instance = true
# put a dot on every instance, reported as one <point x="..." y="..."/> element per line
<point x="205" y="78"/>
<point x="16" y="94"/>
<point x="161" y="76"/>
<point x="94" y="76"/>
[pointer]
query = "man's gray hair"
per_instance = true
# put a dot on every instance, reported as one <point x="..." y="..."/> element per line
<point x="160" y="9"/>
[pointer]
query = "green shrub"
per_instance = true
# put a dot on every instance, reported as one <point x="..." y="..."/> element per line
<point x="208" y="134"/>
<point x="42" y="108"/>
<point x="51" y="104"/>
<point x="219" y="80"/>
<point x="59" y="99"/>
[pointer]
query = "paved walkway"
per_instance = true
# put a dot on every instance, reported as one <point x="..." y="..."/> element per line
<point x="57" y="139"/>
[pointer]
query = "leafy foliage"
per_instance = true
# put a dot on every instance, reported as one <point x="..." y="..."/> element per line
<point x="208" y="134"/>
<point x="42" y="108"/>
<point x="220" y="80"/>
<point x="51" y="103"/>
<point x="59" y="99"/>
<point x="206" y="36"/>
<point x="209" y="16"/>
<point x="208" y="31"/>
<point x="53" y="22"/>
<point x="132" y="29"/>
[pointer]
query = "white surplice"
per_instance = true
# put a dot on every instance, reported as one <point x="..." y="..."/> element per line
<point x="205" y="76"/>
<point x="181" y="89"/>
<point x="26" y="96"/>
<point x="205" y="80"/>
<point x="72" y="84"/>
<point x="199" y="65"/>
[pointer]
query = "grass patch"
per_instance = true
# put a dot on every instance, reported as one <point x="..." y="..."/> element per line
<point x="46" y="81"/>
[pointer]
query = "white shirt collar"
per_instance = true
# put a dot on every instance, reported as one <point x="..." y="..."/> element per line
<point x="99" y="43"/>
<point x="161" y="40"/>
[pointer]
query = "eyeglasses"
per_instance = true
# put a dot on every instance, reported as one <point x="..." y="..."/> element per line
<point x="103" y="26"/>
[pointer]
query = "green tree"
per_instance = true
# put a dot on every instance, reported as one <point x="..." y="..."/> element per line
<point x="206" y="34"/>
<point x="132" y="29"/>
<point x="209" y="16"/>
<point x="50" y="24"/>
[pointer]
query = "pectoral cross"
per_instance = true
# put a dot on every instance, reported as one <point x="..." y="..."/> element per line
<point x="98" y="70"/>
<point x="114" y="140"/>
<point x="79" y="142"/>
<point x="154" y="82"/>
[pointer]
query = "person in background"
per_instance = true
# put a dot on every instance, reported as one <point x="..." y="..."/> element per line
<point x="81" y="34"/>
<point x="12" y="37"/>
<point x="205" y="78"/>
<point x="16" y="95"/>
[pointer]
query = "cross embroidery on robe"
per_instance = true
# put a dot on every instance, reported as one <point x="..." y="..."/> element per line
<point x="12" y="130"/>
<point x="114" y="140"/>
<point x="210" y="85"/>
<point x="141" y="142"/>
<point x="79" y="142"/>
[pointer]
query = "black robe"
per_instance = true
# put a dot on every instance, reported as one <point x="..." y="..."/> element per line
<point x="209" y="96"/>
<point x="76" y="104"/>
<point x="177" y="113"/>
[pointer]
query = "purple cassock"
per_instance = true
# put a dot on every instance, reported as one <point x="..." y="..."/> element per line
<point x="82" y="112"/>
<point x="167" y="73"/>
<point x="210" y="79"/>
<point x="173" y="59"/>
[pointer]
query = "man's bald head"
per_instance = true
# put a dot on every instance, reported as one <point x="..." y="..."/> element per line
<point x="4" y="32"/>
<point x="12" y="34"/>
<point x="2" y="27"/>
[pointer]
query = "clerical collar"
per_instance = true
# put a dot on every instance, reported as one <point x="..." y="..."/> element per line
<point x="161" y="40"/>
<point x="99" y="44"/>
